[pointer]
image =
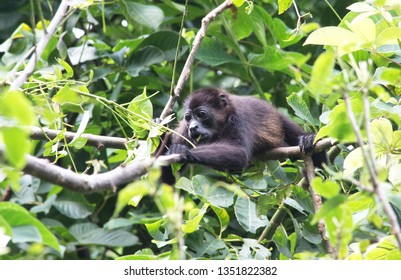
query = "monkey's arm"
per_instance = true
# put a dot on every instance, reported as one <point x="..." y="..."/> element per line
<point x="220" y="155"/>
<point x="295" y="135"/>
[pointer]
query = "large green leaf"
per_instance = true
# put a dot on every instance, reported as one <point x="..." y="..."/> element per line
<point x="301" y="109"/>
<point x="212" y="53"/>
<point x="147" y="15"/>
<point x="333" y="36"/>
<point x="322" y="74"/>
<point x="74" y="205"/>
<point x="194" y="218"/>
<point x="16" y="112"/>
<point x="165" y="41"/>
<point x="144" y="58"/>
<point x="88" y="233"/>
<point x="17" y="216"/>
<point x="204" y="244"/>
<point x="245" y="211"/>
<point x="212" y="192"/>
<point x="284" y="5"/>
<point x="142" y="110"/>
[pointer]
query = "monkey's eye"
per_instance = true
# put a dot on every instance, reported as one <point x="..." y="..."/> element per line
<point x="202" y="114"/>
<point x="187" y="117"/>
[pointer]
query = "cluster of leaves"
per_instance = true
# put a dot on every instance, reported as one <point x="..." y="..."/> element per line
<point x="95" y="76"/>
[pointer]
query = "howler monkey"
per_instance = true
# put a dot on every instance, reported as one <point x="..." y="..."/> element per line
<point x="230" y="130"/>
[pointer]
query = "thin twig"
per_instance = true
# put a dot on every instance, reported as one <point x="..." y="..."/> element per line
<point x="98" y="141"/>
<point x="274" y="223"/>
<point x="60" y="15"/>
<point x="186" y="71"/>
<point x="317" y="201"/>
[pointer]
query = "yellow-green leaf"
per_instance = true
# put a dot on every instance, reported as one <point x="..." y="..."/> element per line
<point x="333" y="36"/>
<point x="284" y="5"/>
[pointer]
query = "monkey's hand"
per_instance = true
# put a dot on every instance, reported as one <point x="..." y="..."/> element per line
<point x="179" y="149"/>
<point x="306" y="142"/>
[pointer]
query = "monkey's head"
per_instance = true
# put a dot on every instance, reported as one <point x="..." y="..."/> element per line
<point x="206" y="113"/>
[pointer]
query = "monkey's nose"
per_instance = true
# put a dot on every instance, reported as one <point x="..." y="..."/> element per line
<point x="193" y="129"/>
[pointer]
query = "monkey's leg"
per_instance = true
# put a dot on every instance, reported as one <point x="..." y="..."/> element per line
<point x="219" y="155"/>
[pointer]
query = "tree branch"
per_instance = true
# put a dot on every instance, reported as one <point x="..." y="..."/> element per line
<point x="85" y="183"/>
<point x="317" y="201"/>
<point x="60" y="15"/>
<point x="186" y="71"/>
<point x="295" y="151"/>
<point x="98" y="141"/>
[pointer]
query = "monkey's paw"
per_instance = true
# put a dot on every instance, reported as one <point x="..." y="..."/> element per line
<point x="306" y="142"/>
<point x="178" y="149"/>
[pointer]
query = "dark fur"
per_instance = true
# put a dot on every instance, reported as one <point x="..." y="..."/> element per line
<point x="240" y="128"/>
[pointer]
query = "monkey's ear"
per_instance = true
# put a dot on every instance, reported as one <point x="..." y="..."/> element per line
<point x="223" y="100"/>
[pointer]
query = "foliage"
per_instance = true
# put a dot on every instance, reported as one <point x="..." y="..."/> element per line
<point x="109" y="70"/>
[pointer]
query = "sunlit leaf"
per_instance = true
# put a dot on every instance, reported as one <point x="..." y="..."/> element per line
<point x="16" y="216"/>
<point x="284" y="5"/>
<point x="147" y="15"/>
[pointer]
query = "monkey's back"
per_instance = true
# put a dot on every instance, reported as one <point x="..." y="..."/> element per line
<point x="264" y="123"/>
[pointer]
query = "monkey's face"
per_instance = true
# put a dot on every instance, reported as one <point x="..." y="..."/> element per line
<point x="200" y="122"/>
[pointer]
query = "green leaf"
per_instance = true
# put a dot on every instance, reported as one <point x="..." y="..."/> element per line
<point x="274" y="59"/>
<point x="388" y="36"/>
<point x="339" y="126"/>
<point x="14" y="106"/>
<point x="387" y="76"/>
<point x="74" y="205"/>
<point x="195" y="217"/>
<point x="353" y="161"/>
<point x="394" y="175"/>
<point x="322" y="74"/>
<point x="245" y="211"/>
<point x="145" y="58"/>
<point x="223" y="216"/>
<point x="328" y="189"/>
<point x="330" y="208"/>
<point x="88" y="233"/>
<point x="17" y="145"/>
<point x="386" y="249"/>
<point x="5" y="226"/>
<point x="361" y="8"/>
<point x="82" y="54"/>
<point x="284" y="5"/>
<point x="252" y="249"/>
<point x="382" y="135"/>
<point x="142" y="110"/>
<point x="333" y="36"/>
<point x="212" y="53"/>
<point x="131" y="192"/>
<point x="280" y="238"/>
<point x="242" y="25"/>
<point x="147" y="15"/>
<point x="201" y="244"/>
<point x="165" y="41"/>
<point x="155" y="230"/>
<point x="365" y="28"/>
<point x="212" y="192"/>
<point x="68" y="95"/>
<point x="238" y="3"/>
<point x="67" y="67"/>
<point x="17" y="216"/>
<point x="359" y="202"/>
<point x="301" y="109"/>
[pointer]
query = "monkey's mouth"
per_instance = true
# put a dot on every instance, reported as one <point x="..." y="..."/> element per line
<point x="198" y="137"/>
